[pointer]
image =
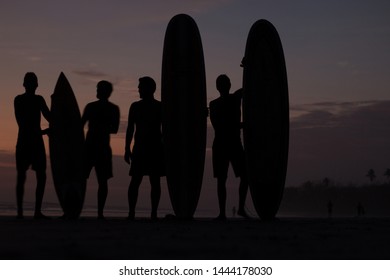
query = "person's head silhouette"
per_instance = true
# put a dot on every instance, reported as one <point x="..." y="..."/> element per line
<point x="223" y="84"/>
<point x="103" y="90"/>
<point x="30" y="82"/>
<point x="146" y="87"/>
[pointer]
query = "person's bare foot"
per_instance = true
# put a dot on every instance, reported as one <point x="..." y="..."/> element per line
<point x="243" y="214"/>
<point x="220" y="218"/>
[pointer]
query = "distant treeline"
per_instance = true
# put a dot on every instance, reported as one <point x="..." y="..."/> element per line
<point x="313" y="199"/>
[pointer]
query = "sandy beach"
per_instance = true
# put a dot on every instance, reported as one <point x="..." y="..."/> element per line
<point x="117" y="238"/>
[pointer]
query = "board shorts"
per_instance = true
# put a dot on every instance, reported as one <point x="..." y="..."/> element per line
<point x="223" y="154"/>
<point x="147" y="162"/>
<point x="101" y="159"/>
<point x="31" y="154"/>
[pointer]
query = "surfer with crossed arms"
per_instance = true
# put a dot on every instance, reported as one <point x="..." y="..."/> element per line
<point x="30" y="149"/>
<point x="225" y="116"/>
<point x="146" y="157"/>
<point x="103" y="119"/>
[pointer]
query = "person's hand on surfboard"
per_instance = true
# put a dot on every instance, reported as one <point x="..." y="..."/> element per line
<point x="46" y="131"/>
<point x="127" y="156"/>
<point x="242" y="64"/>
<point x="239" y="92"/>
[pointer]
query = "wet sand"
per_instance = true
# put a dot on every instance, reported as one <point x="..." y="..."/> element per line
<point x="117" y="238"/>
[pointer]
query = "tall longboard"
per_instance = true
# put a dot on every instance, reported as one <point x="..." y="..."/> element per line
<point x="266" y="117"/>
<point x="66" y="143"/>
<point x="184" y="116"/>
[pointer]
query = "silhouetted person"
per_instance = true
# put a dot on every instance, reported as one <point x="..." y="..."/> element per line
<point x="144" y="124"/>
<point x="330" y="208"/>
<point x="103" y="119"/>
<point x="360" y="209"/>
<point x="30" y="149"/>
<point x="225" y="115"/>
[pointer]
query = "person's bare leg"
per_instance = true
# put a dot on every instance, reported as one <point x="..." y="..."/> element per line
<point x="102" y="197"/>
<point x="242" y="193"/>
<point x="132" y="194"/>
<point x="155" y="194"/>
<point x="20" y="181"/>
<point x="221" y="190"/>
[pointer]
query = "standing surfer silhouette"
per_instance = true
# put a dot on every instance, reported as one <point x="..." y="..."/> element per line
<point x="103" y="119"/>
<point x="146" y="157"/>
<point x="225" y="116"/>
<point x="30" y="149"/>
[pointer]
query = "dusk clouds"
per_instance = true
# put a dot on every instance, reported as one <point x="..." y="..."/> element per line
<point x="339" y="140"/>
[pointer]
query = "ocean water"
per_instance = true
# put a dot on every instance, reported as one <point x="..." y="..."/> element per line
<point x="54" y="210"/>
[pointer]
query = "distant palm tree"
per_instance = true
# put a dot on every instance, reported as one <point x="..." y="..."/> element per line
<point x="387" y="173"/>
<point x="371" y="175"/>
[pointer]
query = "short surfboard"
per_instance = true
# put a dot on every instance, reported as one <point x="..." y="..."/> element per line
<point x="66" y="143"/>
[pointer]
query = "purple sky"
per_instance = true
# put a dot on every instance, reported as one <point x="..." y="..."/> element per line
<point x="337" y="55"/>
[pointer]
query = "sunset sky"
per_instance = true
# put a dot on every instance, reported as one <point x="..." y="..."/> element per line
<point x="337" y="55"/>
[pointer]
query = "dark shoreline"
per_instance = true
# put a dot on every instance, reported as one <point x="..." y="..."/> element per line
<point x="117" y="238"/>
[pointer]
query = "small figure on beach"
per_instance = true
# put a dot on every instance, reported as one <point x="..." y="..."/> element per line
<point x="360" y="210"/>
<point x="30" y="149"/>
<point x="146" y="157"/>
<point x="330" y="208"/>
<point x="225" y="116"/>
<point x="103" y="119"/>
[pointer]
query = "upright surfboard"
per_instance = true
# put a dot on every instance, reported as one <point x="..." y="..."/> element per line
<point x="184" y="116"/>
<point x="266" y="117"/>
<point x="66" y="143"/>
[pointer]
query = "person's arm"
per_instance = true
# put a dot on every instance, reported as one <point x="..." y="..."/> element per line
<point x="17" y="111"/>
<point x="46" y="114"/>
<point x="129" y="134"/>
<point x="239" y="93"/>
<point x="215" y="117"/>
<point x="85" y="117"/>
<point x="45" y="110"/>
<point x="115" y="121"/>
<point x="212" y="115"/>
